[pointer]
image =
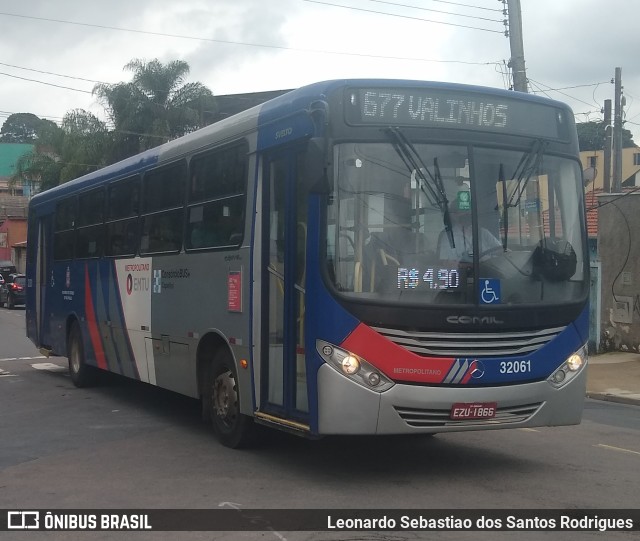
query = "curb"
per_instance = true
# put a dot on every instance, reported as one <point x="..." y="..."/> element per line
<point x="614" y="398"/>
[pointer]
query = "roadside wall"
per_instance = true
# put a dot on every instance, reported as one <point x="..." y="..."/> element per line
<point x="619" y="254"/>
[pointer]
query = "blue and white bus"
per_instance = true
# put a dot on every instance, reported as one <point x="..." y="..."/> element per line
<point x="352" y="257"/>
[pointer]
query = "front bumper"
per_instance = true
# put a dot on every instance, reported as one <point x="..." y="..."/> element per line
<point x="345" y="407"/>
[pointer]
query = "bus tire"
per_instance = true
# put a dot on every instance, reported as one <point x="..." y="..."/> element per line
<point x="82" y="375"/>
<point x="232" y="428"/>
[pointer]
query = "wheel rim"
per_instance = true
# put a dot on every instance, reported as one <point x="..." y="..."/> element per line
<point x="75" y="358"/>
<point x="225" y="400"/>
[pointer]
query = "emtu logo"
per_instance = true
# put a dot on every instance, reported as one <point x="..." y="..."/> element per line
<point x="137" y="284"/>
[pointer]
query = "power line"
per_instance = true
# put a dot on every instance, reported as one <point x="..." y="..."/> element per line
<point x="9" y="113"/>
<point x="107" y="123"/>
<point x="469" y="6"/>
<point x="575" y="86"/>
<point x="600" y="205"/>
<point x="533" y="83"/>
<point x="435" y="11"/>
<point x="45" y="83"/>
<point x="247" y="44"/>
<point x="404" y="16"/>
<point x="560" y="92"/>
<point x="51" y="73"/>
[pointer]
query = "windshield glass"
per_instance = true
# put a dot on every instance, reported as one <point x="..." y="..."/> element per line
<point x="424" y="224"/>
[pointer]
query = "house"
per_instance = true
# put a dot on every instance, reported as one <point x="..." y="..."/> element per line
<point x="13" y="231"/>
<point x="10" y="153"/>
<point x="593" y="160"/>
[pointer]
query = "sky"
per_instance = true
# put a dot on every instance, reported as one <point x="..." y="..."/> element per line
<point x="52" y="53"/>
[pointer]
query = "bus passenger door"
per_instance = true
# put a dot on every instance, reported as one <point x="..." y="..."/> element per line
<point x="283" y="372"/>
<point x="43" y="279"/>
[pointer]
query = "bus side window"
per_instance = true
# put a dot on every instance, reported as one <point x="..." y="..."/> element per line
<point x="163" y="208"/>
<point x="162" y="232"/>
<point x="205" y="233"/>
<point x="217" y="197"/>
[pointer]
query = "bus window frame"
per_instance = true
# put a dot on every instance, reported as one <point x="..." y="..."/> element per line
<point x="155" y="212"/>
<point x="132" y="217"/>
<point x="98" y="225"/>
<point x="67" y="229"/>
<point x="214" y="199"/>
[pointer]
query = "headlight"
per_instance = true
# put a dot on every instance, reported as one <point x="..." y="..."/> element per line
<point x="570" y="368"/>
<point x="353" y="367"/>
<point x="350" y="365"/>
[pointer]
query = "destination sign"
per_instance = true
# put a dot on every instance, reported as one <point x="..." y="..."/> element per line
<point x="454" y="109"/>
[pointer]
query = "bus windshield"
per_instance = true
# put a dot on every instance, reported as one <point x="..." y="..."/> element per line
<point x="452" y="224"/>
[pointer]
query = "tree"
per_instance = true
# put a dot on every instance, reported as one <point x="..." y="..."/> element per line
<point x="591" y="136"/>
<point x="39" y="171"/>
<point x="81" y="145"/>
<point x="155" y="106"/>
<point x="21" y="128"/>
<point x="85" y="145"/>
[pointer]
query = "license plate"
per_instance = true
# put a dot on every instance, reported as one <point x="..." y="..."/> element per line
<point x="474" y="410"/>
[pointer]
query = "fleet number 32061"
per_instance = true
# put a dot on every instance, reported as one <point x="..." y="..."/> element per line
<point x="515" y="367"/>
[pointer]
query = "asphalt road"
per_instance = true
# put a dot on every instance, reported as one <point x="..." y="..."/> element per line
<point x="126" y="445"/>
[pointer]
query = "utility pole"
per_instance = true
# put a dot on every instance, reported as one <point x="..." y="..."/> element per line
<point x="617" y="133"/>
<point x="606" y="187"/>
<point x="517" y="47"/>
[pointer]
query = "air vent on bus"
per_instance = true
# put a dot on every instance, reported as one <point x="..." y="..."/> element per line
<point x="430" y="418"/>
<point x="470" y="344"/>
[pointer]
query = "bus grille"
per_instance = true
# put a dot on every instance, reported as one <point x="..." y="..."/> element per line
<point x="429" y="418"/>
<point x="470" y="344"/>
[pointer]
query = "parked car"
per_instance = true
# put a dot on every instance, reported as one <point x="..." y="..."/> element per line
<point x="12" y="292"/>
<point x="6" y="268"/>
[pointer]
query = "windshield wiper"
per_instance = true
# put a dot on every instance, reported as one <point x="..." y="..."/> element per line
<point x="433" y="186"/>
<point x="505" y="207"/>
<point x="528" y="165"/>
<point x="446" y="218"/>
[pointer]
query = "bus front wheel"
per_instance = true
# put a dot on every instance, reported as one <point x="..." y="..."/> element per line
<point x="82" y="375"/>
<point x="232" y="428"/>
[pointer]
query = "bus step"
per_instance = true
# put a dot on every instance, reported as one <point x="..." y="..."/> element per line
<point x="287" y="425"/>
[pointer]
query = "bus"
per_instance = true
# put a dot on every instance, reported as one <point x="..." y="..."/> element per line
<point x="353" y="257"/>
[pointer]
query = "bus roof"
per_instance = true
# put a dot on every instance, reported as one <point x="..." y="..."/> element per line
<point x="281" y="106"/>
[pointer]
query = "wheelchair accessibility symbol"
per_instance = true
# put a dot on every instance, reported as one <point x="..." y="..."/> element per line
<point x="489" y="291"/>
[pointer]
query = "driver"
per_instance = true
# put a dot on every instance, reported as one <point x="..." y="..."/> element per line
<point x="461" y="249"/>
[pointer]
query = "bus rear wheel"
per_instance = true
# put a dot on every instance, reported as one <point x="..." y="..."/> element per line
<point x="232" y="428"/>
<point x="82" y="375"/>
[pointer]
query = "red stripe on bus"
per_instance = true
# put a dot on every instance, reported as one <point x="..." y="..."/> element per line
<point x="396" y="362"/>
<point x="94" y="332"/>
<point x="470" y="370"/>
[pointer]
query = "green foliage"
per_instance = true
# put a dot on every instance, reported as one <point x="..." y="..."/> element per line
<point x="64" y="153"/>
<point x="40" y="171"/>
<point x="155" y="107"/>
<point x="85" y="145"/>
<point x="591" y="136"/>
<point x="21" y="128"/>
